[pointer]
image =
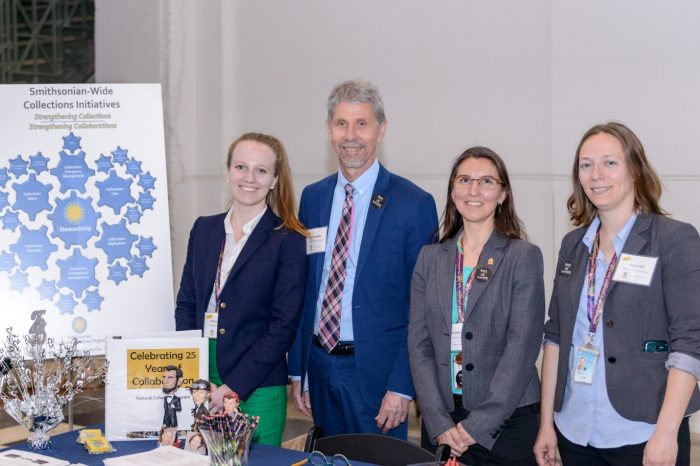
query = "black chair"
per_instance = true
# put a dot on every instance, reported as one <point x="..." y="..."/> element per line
<point x="373" y="448"/>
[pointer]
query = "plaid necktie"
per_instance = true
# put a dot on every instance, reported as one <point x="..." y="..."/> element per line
<point x="329" y="327"/>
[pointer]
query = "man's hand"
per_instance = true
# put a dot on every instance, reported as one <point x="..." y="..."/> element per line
<point x="301" y="400"/>
<point x="216" y="398"/>
<point x="392" y="412"/>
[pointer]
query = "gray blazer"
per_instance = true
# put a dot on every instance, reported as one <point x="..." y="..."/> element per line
<point x="668" y="310"/>
<point x="501" y="336"/>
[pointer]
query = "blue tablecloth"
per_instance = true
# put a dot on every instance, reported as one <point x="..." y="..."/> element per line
<point x="65" y="447"/>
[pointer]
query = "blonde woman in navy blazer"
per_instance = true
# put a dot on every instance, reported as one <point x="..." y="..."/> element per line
<point x="248" y="267"/>
<point x="481" y="399"/>
<point x="631" y="406"/>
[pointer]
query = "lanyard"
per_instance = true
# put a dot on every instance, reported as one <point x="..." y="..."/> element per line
<point x="595" y="308"/>
<point x="462" y="294"/>
<point x="217" y="281"/>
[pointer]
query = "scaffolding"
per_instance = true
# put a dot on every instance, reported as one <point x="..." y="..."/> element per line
<point x="47" y="41"/>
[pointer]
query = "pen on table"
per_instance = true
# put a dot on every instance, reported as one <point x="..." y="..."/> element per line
<point x="299" y="463"/>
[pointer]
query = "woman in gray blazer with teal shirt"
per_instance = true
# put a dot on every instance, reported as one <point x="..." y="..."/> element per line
<point x="622" y="344"/>
<point x="475" y="328"/>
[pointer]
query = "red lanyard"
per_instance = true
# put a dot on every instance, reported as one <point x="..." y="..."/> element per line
<point x="462" y="294"/>
<point x="595" y="308"/>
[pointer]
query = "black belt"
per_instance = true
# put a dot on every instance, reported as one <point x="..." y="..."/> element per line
<point x="343" y="348"/>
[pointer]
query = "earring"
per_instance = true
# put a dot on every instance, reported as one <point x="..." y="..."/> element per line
<point x="498" y="209"/>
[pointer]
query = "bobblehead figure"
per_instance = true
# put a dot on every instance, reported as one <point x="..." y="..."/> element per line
<point x="172" y="379"/>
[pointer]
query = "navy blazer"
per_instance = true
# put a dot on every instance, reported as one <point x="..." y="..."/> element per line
<point x="394" y="233"/>
<point x="665" y="310"/>
<point x="260" y="303"/>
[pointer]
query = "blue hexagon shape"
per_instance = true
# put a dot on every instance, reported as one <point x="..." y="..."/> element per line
<point x="77" y="273"/>
<point x="146" y="246"/>
<point x="120" y="155"/>
<point x="104" y="164"/>
<point x="137" y="266"/>
<point x="146" y="181"/>
<point x="32" y="196"/>
<point x="66" y="304"/>
<point x="7" y="262"/>
<point x="74" y="220"/>
<point x="33" y="248"/>
<point x="10" y="221"/>
<point x="115" y="192"/>
<point x="18" y="166"/>
<point x="47" y="289"/>
<point x="93" y="300"/>
<point x="4" y="177"/>
<point x="72" y="171"/>
<point x="117" y="273"/>
<point x="116" y="241"/>
<point x="133" y="214"/>
<point x="19" y="281"/>
<point x="38" y="163"/>
<point x="146" y="200"/>
<point x="71" y="142"/>
<point x="133" y="167"/>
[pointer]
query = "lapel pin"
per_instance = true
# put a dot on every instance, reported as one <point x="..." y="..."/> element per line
<point x="378" y="201"/>
<point x="490" y="261"/>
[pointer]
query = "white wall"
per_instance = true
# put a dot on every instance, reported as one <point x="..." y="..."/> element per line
<point x="524" y="78"/>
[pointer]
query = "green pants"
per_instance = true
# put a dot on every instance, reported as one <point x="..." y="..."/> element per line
<point x="270" y="403"/>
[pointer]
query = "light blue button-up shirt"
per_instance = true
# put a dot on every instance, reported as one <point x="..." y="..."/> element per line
<point x="587" y="417"/>
<point x="364" y="185"/>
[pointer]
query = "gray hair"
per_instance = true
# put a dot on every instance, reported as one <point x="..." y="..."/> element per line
<point x="357" y="92"/>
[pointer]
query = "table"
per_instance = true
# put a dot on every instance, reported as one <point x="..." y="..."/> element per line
<point x="64" y="447"/>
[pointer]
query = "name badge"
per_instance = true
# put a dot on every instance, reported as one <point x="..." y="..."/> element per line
<point x="586" y="359"/>
<point x="637" y="270"/>
<point x="482" y="274"/>
<point x="456" y="340"/>
<point x="316" y="242"/>
<point x="211" y="324"/>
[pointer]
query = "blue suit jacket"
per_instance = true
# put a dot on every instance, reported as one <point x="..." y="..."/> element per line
<point x="393" y="236"/>
<point x="260" y="303"/>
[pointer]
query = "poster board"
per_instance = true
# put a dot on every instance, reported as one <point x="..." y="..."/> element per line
<point x="134" y="406"/>
<point x="84" y="219"/>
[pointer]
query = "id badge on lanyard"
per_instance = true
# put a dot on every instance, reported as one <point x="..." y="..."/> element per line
<point x="462" y="292"/>
<point x="211" y="324"/>
<point x="456" y="357"/>
<point x="211" y="319"/>
<point x="587" y="354"/>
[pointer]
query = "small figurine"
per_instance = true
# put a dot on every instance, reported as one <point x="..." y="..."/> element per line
<point x="231" y="402"/>
<point x="200" y="390"/>
<point x="172" y="379"/>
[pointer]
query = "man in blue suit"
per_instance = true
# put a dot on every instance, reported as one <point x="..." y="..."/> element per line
<point x="367" y="227"/>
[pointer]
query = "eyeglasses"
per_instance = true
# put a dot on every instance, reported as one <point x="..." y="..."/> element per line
<point x="317" y="458"/>
<point x="485" y="182"/>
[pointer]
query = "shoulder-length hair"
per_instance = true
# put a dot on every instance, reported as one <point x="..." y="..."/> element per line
<point x="647" y="186"/>
<point x="506" y="220"/>
<point x="280" y="199"/>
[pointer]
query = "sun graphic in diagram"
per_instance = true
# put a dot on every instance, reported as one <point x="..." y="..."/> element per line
<point x="74" y="213"/>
